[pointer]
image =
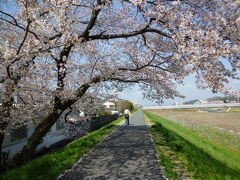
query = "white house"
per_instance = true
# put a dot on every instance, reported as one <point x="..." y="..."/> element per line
<point x="109" y="105"/>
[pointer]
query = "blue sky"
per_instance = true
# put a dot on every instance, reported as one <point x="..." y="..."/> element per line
<point x="189" y="90"/>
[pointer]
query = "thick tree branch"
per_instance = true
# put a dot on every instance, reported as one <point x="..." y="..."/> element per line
<point x="82" y="89"/>
<point x="61" y="66"/>
<point x="130" y="34"/>
<point x="92" y="21"/>
<point x="127" y="80"/>
<point x="55" y="36"/>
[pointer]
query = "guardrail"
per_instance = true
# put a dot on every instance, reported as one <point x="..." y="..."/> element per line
<point x="192" y="106"/>
<point x="98" y="122"/>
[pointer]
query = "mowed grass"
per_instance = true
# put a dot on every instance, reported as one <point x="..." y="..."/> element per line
<point x="50" y="166"/>
<point x="222" y="128"/>
<point x="203" y="158"/>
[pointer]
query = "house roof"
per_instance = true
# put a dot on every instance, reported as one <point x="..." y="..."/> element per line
<point x="108" y="103"/>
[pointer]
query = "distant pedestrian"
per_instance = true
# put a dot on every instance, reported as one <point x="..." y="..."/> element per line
<point x="127" y="114"/>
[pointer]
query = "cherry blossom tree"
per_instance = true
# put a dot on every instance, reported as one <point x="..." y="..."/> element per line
<point x="54" y="51"/>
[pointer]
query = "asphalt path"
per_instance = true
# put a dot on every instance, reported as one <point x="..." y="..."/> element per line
<point x="128" y="153"/>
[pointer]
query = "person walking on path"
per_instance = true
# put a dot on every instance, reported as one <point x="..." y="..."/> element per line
<point x="127" y="115"/>
<point x="127" y="153"/>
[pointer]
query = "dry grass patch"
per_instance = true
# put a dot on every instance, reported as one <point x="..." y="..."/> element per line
<point x="221" y="128"/>
<point x="228" y="121"/>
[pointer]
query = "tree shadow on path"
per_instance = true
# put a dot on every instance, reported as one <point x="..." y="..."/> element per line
<point x="128" y="153"/>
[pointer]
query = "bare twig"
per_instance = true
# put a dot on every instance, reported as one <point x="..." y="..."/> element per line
<point x="25" y="37"/>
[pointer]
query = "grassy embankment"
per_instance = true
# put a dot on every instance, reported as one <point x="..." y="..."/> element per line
<point x="50" y="166"/>
<point x="235" y="109"/>
<point x="222" y="128"/>
<point x="186" y="154"/>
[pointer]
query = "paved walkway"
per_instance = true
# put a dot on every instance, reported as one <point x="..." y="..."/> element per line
<point x="128" y="153"/>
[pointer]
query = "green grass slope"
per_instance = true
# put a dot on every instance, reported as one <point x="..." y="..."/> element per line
<point x="206" y="159"/>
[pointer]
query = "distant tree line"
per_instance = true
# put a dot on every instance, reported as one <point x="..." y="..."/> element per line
<point x="225" y="99"/>
<point x="122" y="105"/>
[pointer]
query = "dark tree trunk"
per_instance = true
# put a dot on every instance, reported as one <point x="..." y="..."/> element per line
<point x="25" y="154"/>
<point x="3" y="126"/>
<point x="44" y="126"/>
<point x="4" y="119"/>
<point x="1" y="142"/>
